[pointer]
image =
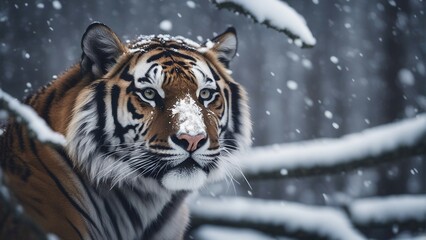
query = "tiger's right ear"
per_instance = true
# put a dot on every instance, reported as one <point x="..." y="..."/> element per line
<point x="101" y="49"/>
<point x="225" y="46"/>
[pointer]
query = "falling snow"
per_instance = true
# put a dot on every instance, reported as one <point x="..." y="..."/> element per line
<point x="342" y="85"/>
<point x="292" y="85"/>
<point x="406" y="77"/>
<point x="57" y="5"/>
<point x="166" y="25"/>
<point x="335" y="125"/>
<point x="334" y="59"/>
<point x="190" y="4"/>
<point x="328" y="114"/>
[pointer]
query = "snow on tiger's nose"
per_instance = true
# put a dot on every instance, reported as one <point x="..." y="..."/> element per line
<point x="190" y="118"/>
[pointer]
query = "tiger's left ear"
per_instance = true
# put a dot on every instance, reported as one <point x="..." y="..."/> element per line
<point x="101" y="49"/>
<point x="225" y="46"/>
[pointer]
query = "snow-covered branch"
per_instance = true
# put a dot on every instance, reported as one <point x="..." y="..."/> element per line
<point x="280" y="218"/>
<point x="211" y="232"/>
<point x="377" y="145"/>
<point x="275" y="218"/>
<point x="36" y="125"/>
<point x="406" y="212"/>
<point x="275" y="14"/>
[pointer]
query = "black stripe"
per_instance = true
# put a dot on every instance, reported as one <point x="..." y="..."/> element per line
<point x="168" y="211"/>
<point x="80" y="236"/>
<point x="182" y="64"/>
<point x="62" y="188"/>
<point x="153" y="138"/>
<point x="158" y="56"/>
<point x="130" y="210"/>
<point x="47" y="106"/>
<point x="171" y="54"/>
<point x="132" y="110"/>
<point x="168" y="63"/>
<point x="19" y="133"/>
<point x="65" y="156"/>
<point x="230" y="141"/>
<point x="70" y="83"/>
<point x="178" y="54"/>
<point x="138" y="129"/>
<point x="236" y="112"/>
<point x="113" y="219"/>
<point x="126" y="76"/>
<point x="226" y="93"/>
<point x="150" y="69"/>
<point x="160" y="147"/>
<point x="119" y="131"/>
<point x="37" y="95"/>
<point x="144" y="79"/>
<point x="152" y="47"/>
<point x="215" y="75"/>
<point x="144" y="132"/>
<point x="101" y="110"/>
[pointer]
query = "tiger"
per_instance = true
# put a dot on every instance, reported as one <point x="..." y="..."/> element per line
<point x="146" y="123"/>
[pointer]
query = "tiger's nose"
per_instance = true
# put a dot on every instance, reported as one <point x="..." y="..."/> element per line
<point x="193" y="141"/>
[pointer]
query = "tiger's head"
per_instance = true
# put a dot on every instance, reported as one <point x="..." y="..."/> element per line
<point x="159" y="107"/>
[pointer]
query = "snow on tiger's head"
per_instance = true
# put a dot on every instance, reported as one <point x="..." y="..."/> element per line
<point x="159" y="107"/>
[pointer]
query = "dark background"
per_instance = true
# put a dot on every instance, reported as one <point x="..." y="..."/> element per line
<point x="380" y="76"/>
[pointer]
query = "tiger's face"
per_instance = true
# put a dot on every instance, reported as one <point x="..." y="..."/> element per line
<point x="159" y="107"/>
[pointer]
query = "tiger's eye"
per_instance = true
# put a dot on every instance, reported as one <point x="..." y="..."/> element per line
<point x="149" y="93"/>
<point x="205" y="94"/>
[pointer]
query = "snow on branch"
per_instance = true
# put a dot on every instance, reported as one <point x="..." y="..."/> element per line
<point x="389" y="210"/>
<point x="36" y="125"/>
<point x="275" y="218"/>
<point x="275" y="14"/>
<point x="210" y="232"/>
<point x="373" y="146"/>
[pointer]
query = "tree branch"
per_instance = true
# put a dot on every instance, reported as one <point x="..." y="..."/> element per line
<point x="34" y="123"/>
<point x="14" y="223"/>
<point x="274" y="218"/>
<point x="387" y="214"/>
<point x="274" y="14"/>
<point x="371" y="147"/>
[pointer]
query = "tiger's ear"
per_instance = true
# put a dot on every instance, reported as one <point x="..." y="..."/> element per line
<point x="101" y="49"/>
<point x="225" y="46"/>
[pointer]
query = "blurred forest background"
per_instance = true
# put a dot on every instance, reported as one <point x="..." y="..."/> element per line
<point x="367" y="69"/>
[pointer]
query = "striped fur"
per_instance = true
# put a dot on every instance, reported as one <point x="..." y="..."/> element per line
<point x="125" y="171"/>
